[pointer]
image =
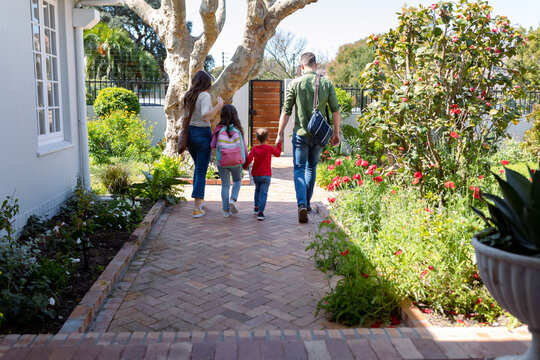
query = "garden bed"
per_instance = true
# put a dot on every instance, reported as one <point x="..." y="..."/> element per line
<point x="104" y="245"/>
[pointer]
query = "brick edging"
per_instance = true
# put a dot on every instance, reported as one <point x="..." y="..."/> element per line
<point x="84" y="313"/>
<point x="409" y="313"/>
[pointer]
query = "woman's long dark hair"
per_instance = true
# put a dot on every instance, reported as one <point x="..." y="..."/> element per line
<point x="201" y="82"/>
<point x="228" y="117"/>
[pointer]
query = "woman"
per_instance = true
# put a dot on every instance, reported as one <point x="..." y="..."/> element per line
<point x="198" y="103"/>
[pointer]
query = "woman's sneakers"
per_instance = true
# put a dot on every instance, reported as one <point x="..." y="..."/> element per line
<point x="260" y="216"/>
<point x="256" y="210"/>
<point x="197" y="213"/>
<point x="232" y="206"/>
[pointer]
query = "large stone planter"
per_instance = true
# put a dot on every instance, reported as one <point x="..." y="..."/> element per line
<point x="514" y="281"/>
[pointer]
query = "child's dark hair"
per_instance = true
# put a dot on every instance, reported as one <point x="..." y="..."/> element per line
<point x="229" y="116"/>
<point x="262" y="135"/>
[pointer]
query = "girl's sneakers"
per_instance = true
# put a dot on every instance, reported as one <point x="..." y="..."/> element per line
<point x="256" y="210"/>
<point x="232" y="206"/>
<point x="227" y="213"/>
<point x="260" y="216"/>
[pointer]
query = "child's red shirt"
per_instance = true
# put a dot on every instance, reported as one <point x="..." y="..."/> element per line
<point x="262" y="165"/>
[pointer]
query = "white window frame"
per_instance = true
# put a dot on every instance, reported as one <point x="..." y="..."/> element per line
<point x="51" y="128"/>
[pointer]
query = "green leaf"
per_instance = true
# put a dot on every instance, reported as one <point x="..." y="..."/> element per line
<point x="521" y="185"/>
<point x="531" y="225"/>
<point x="437" y="32"/>
<point x="503" y="208"/>
<point x="512" y="198"/>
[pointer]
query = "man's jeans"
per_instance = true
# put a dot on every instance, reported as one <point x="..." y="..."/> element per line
<point x="225" y="173"/>
<point x="199" y="149"/>
<point x="306" y="154"/>
<point x="262" y="183"/>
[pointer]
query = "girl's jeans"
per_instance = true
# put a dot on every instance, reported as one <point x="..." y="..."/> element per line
<point x="262" y="183"/>
<point x="199" y="149"/>
<point x="225" y="173"/>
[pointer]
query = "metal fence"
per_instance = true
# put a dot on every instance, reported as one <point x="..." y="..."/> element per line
<point x="149" y="92"/>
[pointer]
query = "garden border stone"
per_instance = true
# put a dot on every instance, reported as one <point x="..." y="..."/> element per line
<point x="83" y="314"/>
<point x="409" y="313"/>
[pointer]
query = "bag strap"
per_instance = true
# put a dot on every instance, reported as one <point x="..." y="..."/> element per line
<point x="316" y="95"/>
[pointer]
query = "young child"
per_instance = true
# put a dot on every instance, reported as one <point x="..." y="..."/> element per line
<point x="231" y="150"/>
<point x="262" y="169"/>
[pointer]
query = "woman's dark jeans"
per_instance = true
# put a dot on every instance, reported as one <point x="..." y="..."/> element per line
<point x="199" y="149"/>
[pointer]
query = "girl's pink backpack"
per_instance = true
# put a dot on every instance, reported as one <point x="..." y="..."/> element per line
<point x="230" y="149"/>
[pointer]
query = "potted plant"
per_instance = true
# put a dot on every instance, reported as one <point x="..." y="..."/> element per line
<point x="508" y="251"/>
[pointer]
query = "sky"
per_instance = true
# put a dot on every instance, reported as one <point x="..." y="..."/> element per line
<point x="340" y="22"/>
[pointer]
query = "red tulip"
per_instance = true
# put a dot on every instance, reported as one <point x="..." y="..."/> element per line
<point x="449" y="184"/>
<point x="359" y="162"/>
<point x="346" y="179"/>
<point x="418" y="175"/>
<point x="505" y="162"/>
<point x="331" y="200"/>
<point x="454" y="135"/>
<point x="365" y="163"/>
<point x="345" y="253"/>
<point x="378" y="179"/>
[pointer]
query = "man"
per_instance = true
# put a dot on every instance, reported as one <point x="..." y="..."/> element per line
<point x="306" y="151"/>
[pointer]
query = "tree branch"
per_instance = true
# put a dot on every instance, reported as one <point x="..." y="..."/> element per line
<point x="145" y="11"/>
<point x="204" y="43"/>
<point x="283" y="8"/>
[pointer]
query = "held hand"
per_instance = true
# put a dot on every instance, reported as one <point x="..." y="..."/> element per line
<point x="279" y="139"/>
<point x="335" y="139"/>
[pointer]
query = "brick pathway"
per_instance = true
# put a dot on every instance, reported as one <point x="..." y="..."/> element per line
<point x="203" y="289"/>
<point x="216" y="273"/>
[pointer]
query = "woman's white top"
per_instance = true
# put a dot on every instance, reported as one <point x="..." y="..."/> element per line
<point x="203" y="105"/>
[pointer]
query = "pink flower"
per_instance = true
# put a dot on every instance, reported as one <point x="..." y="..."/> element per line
<point x="365" y="163"/>
<point x="450" y="184"/>
<point x="415" y="181"/>
<point x="376" y="62"/>
<point x="346" y="179"/>
<point x="378" y="179"/>
<point x="501" y="171"/>
<point x="393" y="192"/>
<point x="494" y="29"/>
<point x="331" y="200"/>
<point x="454" y="38"/>
<point x="505" y="162"/>
<point x="433" y="6"/>
<point x="399" y="252"/>
<point x="431" y="268"/>
<point x="427" y="311"/>
<point x="428" y="210"/>
<point x="481" y="177"/>
<point x="454" y="134"/>
<point x="331" y="167"/>
<point x="420" y="79"/>
<point x="348" y="158"/>
<point x="330" y="187"/>
<point x="404" y="99"/>
<point x="360" y="182"/>
<point x="375" y="38"/>
<point x="418" y="175"/>
<point x="472" y="89"/>
<point x="488" y="104"/>
<point x="359" y="162"/>
<point x="338" y="162"/>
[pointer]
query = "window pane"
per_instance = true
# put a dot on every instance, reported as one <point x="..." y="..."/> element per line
<point x="39" y="88"/>
<point x="55" y="68"/>
<point x="48" y="67"/>
<point x="53" y="22"/>
<point x="38" y="66"/>
<point x="46" y="13"/>
<point x="41" y="122"/>
<point x="53" y="42"/>
<point x="36" y="37"/>
<point x="35" y="11"/>
<point x="47" y="41"/>
<point x="50" y="120"/>
<point x="55" y="96"/>
<point x="50" y="93"/>
<point x="57" y="120"/>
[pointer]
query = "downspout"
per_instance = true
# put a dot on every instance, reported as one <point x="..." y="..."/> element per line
<point x="82" y="19"/>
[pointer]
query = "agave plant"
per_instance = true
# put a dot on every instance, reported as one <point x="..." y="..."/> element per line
<point x="514" y="222"/>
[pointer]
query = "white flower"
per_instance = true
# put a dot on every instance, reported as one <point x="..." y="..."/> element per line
<point x="52" y="302"/>
<point x="67" y="272"/>
<point x="56" y="228"/>
<point x="75" y="260"/>
<point x="78" y="241"/>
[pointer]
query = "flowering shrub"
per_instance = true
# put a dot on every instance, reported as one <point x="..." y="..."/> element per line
<point x="433" y="85"/>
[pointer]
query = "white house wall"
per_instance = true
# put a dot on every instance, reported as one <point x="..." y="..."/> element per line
<point x="40" y="178"/>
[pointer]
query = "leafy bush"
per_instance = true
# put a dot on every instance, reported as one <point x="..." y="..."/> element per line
<point x="513" y="151"/>
<point x="116" y="98"/>
<point x="158" y="185"/>
<point x="171" y="166"/>
<point x="115" y="178"/>
<point x="120" y="134"/>
<point x="531" y="139"/>
<point x="118" y="214"/>
<point x="432" y="84"/>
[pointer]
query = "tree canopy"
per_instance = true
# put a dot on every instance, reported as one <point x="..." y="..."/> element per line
<point x="349" y="63"/>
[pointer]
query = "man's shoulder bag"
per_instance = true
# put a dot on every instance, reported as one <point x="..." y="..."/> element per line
<point x="318" y="126"/>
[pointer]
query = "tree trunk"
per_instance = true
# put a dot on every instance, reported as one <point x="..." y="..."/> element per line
<point x="186" y="53"/>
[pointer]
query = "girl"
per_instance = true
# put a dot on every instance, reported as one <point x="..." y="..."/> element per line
<point x="230" y="135"/>
<point x="198" y="105"/>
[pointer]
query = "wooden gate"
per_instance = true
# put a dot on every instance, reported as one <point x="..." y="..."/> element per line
<point x="265" y="102"/>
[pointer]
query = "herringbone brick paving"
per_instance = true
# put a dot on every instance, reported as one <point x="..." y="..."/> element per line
<point x="216" y="273"/>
